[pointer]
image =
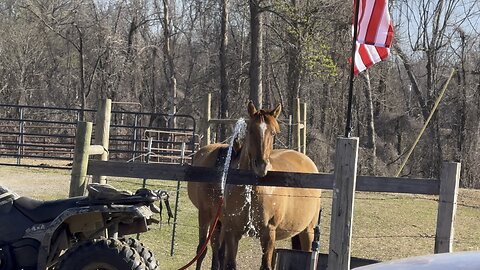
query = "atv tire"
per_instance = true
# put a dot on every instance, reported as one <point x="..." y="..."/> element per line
<point x="144" y="252"/>
<point x="104" y="254"/>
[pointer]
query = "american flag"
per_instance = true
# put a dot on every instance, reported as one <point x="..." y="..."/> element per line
<point x="374" y="34"/>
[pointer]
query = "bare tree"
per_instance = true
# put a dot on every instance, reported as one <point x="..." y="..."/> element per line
<point x="169" y="64"/>
<point x="371" y="141"/>
<point x="256" y="52"/>
<point x="429" y="26"/>
<point x="224" y="85"/>
<point x="168" y="54"/>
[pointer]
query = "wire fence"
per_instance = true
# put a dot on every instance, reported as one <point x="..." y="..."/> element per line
<point x="385" y="225"/>
<point x="417" y="203"/>
<point x="412" y="234"/>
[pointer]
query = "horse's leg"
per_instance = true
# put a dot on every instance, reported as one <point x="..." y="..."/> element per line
<point x="203" y="223"/>
<point x="230" y="240"/>
<point x="217" y="248"/>
<point x="307" y="235"/>
<point x="221" y="254"/>
<point x="267" y="239"/>
<point x="296" y="243"/>
<point x="306" y="238"/>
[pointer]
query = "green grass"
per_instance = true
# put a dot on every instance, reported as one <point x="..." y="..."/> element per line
<point x="385" y="226"/>
<point x="160" y="235"/>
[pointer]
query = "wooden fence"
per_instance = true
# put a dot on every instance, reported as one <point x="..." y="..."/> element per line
<point x="344" y="182"/>
<point x="83" y="149"/>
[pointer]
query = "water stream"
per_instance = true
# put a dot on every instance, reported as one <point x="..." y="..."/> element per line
<point x="239" y="132"/>
<point x="249" y="228"/>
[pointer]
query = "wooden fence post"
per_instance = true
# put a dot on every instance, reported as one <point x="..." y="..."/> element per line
<point x="297" y="119"/>
<point x="303" y="131"/>
<point x="345" y="176"/>
<point x="80" y="159"/>
<point x="207" y="117"/>
<point x="102" y="133"/>
<point x="447" y="206"/>
<point x="300" y="118"/>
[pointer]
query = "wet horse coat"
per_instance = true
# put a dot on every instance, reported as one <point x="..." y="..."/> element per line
<point x="207" y="198"/>
<point x="276" y="213"/>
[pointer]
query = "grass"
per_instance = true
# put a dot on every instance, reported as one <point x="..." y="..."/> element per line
<point x="385" y="226"/>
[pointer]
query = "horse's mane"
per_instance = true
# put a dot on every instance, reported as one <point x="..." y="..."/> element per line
<point x="222" y="155"/>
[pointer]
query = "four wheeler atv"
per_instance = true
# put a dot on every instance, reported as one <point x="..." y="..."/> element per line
<point x="78" y="233"/>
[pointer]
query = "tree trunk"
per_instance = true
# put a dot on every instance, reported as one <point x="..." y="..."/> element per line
<point x="413" y="80"/>
<point x="293" y="76"/>
<point x="463" y="99"/>
<point x="224" y="86"/>
<point x="81" y="71"/>
<point x="293" y="70"/>
<point x="169" y="67"/>
<point x="256" y="53"/>
<point x="370" y="144"/>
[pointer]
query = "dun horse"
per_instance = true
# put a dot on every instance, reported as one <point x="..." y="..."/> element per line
<point x="276" y="213"/>
<point x="207" y="198"/>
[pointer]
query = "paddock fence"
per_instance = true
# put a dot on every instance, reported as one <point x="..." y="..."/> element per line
<point x="344" y="183"/>
<point x="45" y="136"/>
<point x="22" y="130"/>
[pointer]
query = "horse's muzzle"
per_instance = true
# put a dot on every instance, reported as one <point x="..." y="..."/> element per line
<point x="260" y="167"/>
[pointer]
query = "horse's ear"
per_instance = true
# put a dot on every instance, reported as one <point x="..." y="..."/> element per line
<point x="276" y="112"/>
<point x="251" y="109"/>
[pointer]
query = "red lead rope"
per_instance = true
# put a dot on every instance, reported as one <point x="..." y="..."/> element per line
<point x="210" y="233"/>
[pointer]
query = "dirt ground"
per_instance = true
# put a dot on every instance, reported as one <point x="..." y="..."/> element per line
<point x="36" y="183"/>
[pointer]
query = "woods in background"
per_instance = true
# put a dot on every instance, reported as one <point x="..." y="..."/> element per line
<point x="167" y="54"/>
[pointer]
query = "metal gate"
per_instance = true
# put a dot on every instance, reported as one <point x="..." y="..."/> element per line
<point x="44" y="136"/>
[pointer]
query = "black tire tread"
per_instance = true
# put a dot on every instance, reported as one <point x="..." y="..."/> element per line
<point x="144" y="252"/>
<point x="130" y="255"/>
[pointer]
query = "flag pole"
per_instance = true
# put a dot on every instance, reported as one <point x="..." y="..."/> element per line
<point x="348" y="126"/>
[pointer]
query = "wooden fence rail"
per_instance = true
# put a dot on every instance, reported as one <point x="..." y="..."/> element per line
<point x="279" y="179"/>
<point x="344" y="182"/>
<point x="446" y="188"/>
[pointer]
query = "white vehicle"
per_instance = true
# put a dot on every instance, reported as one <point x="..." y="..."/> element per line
<point x="469" y="260"/>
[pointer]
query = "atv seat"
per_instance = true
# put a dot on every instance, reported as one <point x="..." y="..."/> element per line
<point x="44" y="211"/>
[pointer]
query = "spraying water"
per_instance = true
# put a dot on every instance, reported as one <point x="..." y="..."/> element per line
<point x="249" y="227"/>
<point x="239" y="132"/>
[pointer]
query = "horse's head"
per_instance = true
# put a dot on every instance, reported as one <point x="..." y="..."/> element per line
<point x="261" y="131"/>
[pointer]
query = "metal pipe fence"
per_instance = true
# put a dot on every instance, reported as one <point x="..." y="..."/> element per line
<point x="48" y="133"/>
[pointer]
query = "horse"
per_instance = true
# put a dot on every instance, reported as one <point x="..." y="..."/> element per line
<point x="276" y="213"/>
<point x="207" y="198"/>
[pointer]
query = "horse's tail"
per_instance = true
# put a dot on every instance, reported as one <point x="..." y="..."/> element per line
<point x="296" y="242"/>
